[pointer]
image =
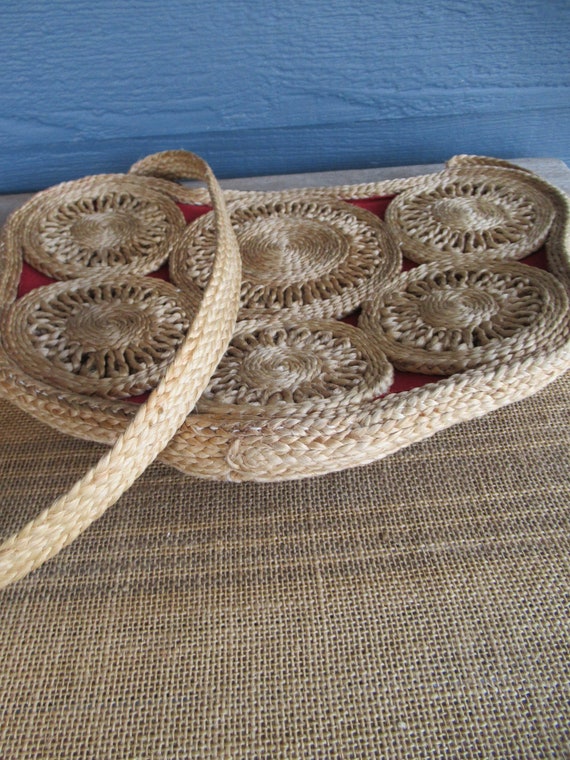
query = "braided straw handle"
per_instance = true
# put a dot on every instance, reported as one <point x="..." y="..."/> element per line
<point x="157" y="420"/>
<point x="173" y="165"/>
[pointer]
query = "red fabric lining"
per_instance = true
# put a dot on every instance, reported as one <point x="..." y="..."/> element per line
<point x="403" y="381"/>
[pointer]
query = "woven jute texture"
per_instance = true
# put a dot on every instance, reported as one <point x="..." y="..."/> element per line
<point x="413" y="608"/>
<point x="299" y="257"/>
<point x="293" y="403"/>
<point x="153" y="426"/>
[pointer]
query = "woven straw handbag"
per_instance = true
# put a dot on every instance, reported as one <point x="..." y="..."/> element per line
<point x="264" y="336"/>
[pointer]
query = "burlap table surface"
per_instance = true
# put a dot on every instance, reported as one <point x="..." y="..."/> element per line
<point x="413" y="608"/>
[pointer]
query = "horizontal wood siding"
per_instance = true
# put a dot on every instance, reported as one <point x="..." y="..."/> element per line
<point x="261" y="88"/>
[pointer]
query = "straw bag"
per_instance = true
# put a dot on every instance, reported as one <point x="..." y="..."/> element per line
<point x="276" y="335"/>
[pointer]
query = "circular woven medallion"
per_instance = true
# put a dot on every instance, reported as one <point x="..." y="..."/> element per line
<point x="104" y="221"/>
<point x="492" y="214"/>
<point x="110" y="337"/>
<point x="276" y="440"/>
<point x="272" y="364"/>
<point x="320" y="259"/>
<point x="440" y="319"/>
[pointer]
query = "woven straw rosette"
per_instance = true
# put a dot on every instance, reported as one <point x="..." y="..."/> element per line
<point x="264" y="336"/>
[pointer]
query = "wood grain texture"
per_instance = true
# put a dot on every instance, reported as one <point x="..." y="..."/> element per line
<point x="263" y="88"/>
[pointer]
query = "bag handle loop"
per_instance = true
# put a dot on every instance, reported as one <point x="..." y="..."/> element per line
<point x="160" y="417"/>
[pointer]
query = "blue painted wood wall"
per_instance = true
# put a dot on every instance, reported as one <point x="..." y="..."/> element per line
<point x="260" y="87"/>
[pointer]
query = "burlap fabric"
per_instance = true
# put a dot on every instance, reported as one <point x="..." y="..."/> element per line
<point x="413" y="608"/>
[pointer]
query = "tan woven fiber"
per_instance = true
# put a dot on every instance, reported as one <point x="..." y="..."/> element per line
<point x="275" y="446"/>
<point x="155" y="423"/>
<point x="471" y="213"/>
<point x="313" y="259"/>
<point x="164" y="173"/>
<point x="461" y="161"/>
<point x="94" y="223"/>
<point x="447" y="317"/>
<point x="292" y="368"/>
<point x="272" y="443"/>
<point x="152" y="172"/>
<point x="112" y="336"/>
<point x="270" y="446"/>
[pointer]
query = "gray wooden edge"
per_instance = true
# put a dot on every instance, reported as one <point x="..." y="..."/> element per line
<point x="553" y="170"/>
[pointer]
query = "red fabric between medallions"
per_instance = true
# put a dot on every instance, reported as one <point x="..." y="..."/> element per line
<point x="403" y="381"/>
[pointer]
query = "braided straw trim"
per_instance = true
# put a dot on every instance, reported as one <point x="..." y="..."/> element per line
<point x="201" y="446"/>
<point x="267" y="448"/>
<point x="95" y="223"/>
<point x="273" y="446"/>
<point x="471" y="213"/>
<point x="154" y="424"/>
<point x="166" y="180"/>
<point x="147" y="169"/>
<point x="276" y="446"/>
<point x="270" y="449"/>
<point x="299" y="258"/>
<point x="462" y="160"/>
<point x="450" y="316"/>
<point x="172" y="164"/>
<point x="10" y="271"/>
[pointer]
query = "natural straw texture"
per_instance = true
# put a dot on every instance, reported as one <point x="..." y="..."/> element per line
<point x="98" y="222"/>
<point x="482" y="214"/>
<point x="313" y="259"/>
<point x="448" y="317"/>
<point x="157" y="420"/>
<point x="273" y="442"/>
<point x="112" y="336"/>
<point x="273" y="446"/>
<point x="296" y="367"/>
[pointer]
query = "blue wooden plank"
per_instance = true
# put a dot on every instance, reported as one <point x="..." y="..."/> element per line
<point x="302" y="149"/>
<point x="265" y="87"/>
